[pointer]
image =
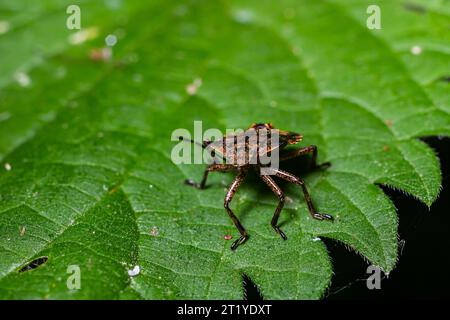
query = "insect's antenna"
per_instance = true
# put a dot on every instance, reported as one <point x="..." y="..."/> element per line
<point x="204" y="144"/>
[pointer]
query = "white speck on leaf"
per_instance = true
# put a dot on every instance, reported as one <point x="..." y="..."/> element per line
<point x="22" y="79"/>
<point x="111" y="40"/>
<point x="83" y="35"/>
<point x="102" y="54"/>
<point x="4" y="26"/>
<point x="192" y="88"/>
<point x="135" y="271"/>
<point x="113" y="4"/>
<point x="5" y="116"/>
<point x="8" y="167"/>
<point x="416" y="50"/>
<point x="154" y="232"/>
<point x="316" y="239"/>
<point x="243" y="16"/>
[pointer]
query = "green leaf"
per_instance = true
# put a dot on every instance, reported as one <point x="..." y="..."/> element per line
<point x="86" y="177"/>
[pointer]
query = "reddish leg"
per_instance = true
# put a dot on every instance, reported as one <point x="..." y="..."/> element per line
<point x="229" y="196"/>
<point x="294" y="179"/>
<point x="277" y="190"/>
<point x="212" y="167"/>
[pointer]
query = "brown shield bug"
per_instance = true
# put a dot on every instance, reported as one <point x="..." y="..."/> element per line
<point x="252" y="150"/>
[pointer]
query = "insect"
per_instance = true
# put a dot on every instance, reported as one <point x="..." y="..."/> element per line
<point x="250" y="157"/>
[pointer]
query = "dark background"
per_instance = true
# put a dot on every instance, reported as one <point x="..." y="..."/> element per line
<point x="423" y="270"/>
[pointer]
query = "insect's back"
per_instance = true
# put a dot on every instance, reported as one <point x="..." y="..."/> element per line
<point x="247" y="147"/>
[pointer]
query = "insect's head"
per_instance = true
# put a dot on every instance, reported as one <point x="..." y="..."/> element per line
<point x="290" y="137"/>
<point x="258" y="126"/>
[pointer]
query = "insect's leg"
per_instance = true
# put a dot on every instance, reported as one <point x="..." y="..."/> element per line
<point x="229" y="196"/>
<point x="277" y="190"/>
<point x="309" y="149"/>
<point x="212" y="167"/>
<point x="294" y="179"/>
